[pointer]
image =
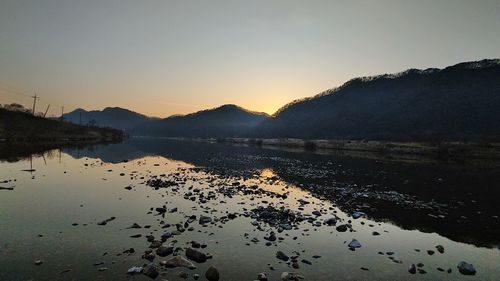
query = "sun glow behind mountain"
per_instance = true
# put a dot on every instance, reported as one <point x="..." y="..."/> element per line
<point x="174" y="57"/>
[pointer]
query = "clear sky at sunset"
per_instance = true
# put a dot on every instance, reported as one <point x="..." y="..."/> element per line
<point x="167" y="57"/>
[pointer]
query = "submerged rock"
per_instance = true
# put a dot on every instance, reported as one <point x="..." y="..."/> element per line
<point x="164" y="251"/>
<point x="440" y="249"/>
<point x="282" y="256"/>
<point x="342" y="228"/>
<point x="179" y="261"/>
<point x="357" y="215"/>
<point x="466" y="268"/>
<point x="412" y="269"/>
<point x="331" y="221"/>
<point x="151" y="272"/>
<point x="135" y="225"/>
<point x="354" y="244"/>
<point x="196" y="256"/>
<point x="204" y="220"/>
<point x="135" y="270"/>
<point x="290" y="276"/>
<point x="212" y="274"/>
<point x="262" y="276"/>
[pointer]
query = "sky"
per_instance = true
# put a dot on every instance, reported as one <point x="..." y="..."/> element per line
<point x="161" y="57"/>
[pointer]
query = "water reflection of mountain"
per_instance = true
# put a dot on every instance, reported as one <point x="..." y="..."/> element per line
<point x="455" y="201"/>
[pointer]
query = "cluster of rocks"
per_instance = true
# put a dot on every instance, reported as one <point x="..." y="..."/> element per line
<point x="270" y="217"/>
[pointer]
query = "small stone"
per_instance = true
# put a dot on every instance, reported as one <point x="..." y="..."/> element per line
<point x="135" y="225"/>
<point x="290" y="276"/>
<point x="357" y="215"/>
<point x="280" y="255"/>
<point x="164" y="251"/>
<point x="341" y="228"/>
<point x="135" y="270"/>
<point x="331" y="221"/>
<point x="412" y="269"/>
<point x="204" y="220"/>
<point x="262" y="276"/>
<point x="440" y="249"/>
<point x="354" y="244"/>
<point x="212" y="274"/>
<point x="466" y="268"/>
<point x="306" y="261"/>
<point x="196" y="256"/>
<point x="151" y="272"/>
<point x="179" y="261"/>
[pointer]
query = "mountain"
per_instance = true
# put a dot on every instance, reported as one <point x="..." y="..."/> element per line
<point x="460" y="102"/>
<point x="224" y="121"/>
<point x="457" y="103"/>
<point x="113" y="117"/>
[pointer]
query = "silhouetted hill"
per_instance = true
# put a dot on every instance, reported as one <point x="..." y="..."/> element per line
<point x="460" y="102"/>
<point x="224" y="121"/>
<point x="24" y="127"/>
<point x="113" y="117"/>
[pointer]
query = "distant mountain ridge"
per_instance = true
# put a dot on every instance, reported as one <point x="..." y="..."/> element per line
<point x="225" y="121"/>
<point x="113" y="117"/>
<point x="459" y="102"/>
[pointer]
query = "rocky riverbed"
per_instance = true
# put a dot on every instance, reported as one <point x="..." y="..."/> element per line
<point x="157" y="218"/>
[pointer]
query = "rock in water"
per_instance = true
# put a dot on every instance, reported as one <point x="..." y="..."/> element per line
<point x="179" y="261"/>
<point x="342" y="228"/>
<point x="280" y="255"/>
<point x="331" y="221"/>
<point x="135" y="225"/>
<point x="135" y="270"/>
<point x="412" y="269"/>
<point x="164" y="251"/>
<point x="357" y="215"/>
<point x="204" y="219"/>
<point x="354" y="244"/>
<point x="440" y="249"/>
<point x="466" y="268"/>
<point x="195" y="255"/>
<point x="151" y="272"/>
<point x="212" y="274"/>
<point x="262" y="276"/>
<point x="290" y="276"/>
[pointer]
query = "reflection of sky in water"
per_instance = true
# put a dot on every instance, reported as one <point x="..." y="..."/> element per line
<point x="57" y="195"/>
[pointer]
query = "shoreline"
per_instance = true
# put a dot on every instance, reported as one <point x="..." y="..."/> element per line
<point x="443" y="150"/>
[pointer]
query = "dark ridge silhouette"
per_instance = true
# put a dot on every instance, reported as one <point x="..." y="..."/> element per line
<point x="460" y="102"/>
<point x="225" y="121"/>
<point x="17" y="127"/>
<point x="114" y="117"/>
<point x="457" y="103"/>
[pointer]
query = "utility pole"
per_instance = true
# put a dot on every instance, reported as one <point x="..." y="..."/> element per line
<point x="62" y="113"/>
<point x="34" y="103"/>
<point x="47" y="110"/>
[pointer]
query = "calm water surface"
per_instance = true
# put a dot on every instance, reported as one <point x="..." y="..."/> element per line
<point x="52" y="213"/>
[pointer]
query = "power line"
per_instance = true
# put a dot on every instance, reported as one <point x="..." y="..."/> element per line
<point x="6" y="89"/>
<point x="34" y="103"/>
